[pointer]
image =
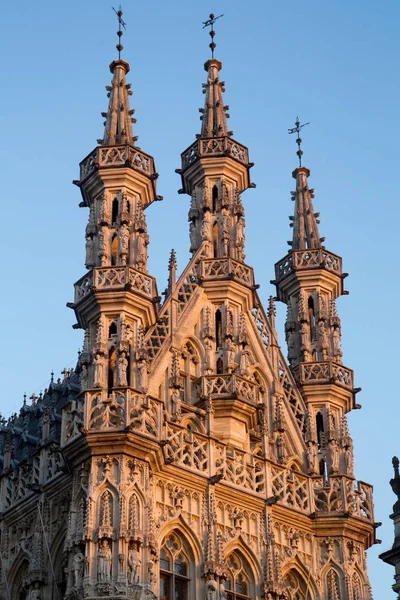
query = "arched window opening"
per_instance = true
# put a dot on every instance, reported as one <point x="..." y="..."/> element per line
<point x="320" y="430"/>
<point x="237" y="584"/>
<point x="333" y="586"/>
<point x="112" y="330"/>
<point x="220" y="366"/>
<point x="311" y="317"/>
<point x="189" y="362"/>
<point x="214" y="199"/>
<point x="174" y="569"/>
<point x="295" y="586"/>
<point x="114" y="211"/>
<point x="112" y="361"/>
<point x="218" y="328"/>
<point x="114" y="250"/>
<point x="215" y="239"/>
<point x="18" y="585"/>
<point x="128" y="206"/>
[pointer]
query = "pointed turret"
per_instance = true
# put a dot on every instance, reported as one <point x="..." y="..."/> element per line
<point x="305" y="220"/>
<point x="214" y="113"/>
<point x="118" y="125"/>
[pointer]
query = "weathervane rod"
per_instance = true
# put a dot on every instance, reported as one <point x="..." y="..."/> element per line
<point x="210" y="23"/>
<point x="121" y="23"/>
<point x="297" y="130"/>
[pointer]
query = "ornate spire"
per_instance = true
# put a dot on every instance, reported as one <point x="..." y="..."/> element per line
<point x="214" y="113"/>
<point x="118" y="125"/>
<point x="305" y="220"/>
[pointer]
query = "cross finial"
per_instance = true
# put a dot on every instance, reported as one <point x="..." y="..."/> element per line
<point x="210" y="23"/>
<point x="297" y="130"/>
<point x="121" y="23"/>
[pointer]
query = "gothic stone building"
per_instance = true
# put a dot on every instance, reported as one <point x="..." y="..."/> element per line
<point x="185" y="458"/>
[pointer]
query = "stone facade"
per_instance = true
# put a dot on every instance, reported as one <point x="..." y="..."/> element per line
<point x="184" y="457"/>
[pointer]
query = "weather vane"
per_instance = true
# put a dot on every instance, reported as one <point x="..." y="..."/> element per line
<point x="121" y="23"/>
<point x="210" y="23"/>
<point x="297" y="130"/>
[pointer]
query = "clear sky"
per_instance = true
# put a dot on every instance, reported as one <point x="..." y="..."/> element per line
<point x="332" y="63"/>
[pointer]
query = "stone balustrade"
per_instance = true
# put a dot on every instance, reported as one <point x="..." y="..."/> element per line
<point x="324" y="372"/>
<point x="218" y="146"/>
<point x="312" y="258"/>
<point x="116" y="156"/>
<point x="225" y="268"/>
<point x="118" y="277"/>
<point x="229" y="386"/>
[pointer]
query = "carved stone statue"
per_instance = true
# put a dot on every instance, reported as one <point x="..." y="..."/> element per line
<point x="323" y="339"/>
<point x="211" y="589"/>
<point x="176" y="402"/>
<point x="193" y="236"/>
<point x="35" y="594"/>
<point x="349" y="460"/>
<point x="142" y="242"/>
<point x="333" y="454"/>
<point x="222" y="592"/>
<point x="123" y="236"/>
<point x="291" y="345"/>
<point x="104" y="559"/>
<point x="102" y="243"/>
<point x="208" y="356"/>
<point x="230" y="354"/>
<point x="77" y="568"/>
<point x="89" y="262"/>
<point x="206" y="227"/>
<point x="142" y="376"/>
<point x="337" y="347"/>
<point x="244" y="362"/>
<point x="310" y="457"/>
<point x="84" y="377"/>
<point x="305" y="339"/>
<point x="98" y="375"/>
<point x="134" y="564"/>
<point x="225" y="230"/>
<point x="122" y="367"/>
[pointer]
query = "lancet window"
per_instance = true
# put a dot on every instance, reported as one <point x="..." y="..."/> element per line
<point x="114" y="211"/>
<point x="238" y="583"/>
<point x="357" y="587"/>
<point x="175" y="573"/>
<point x="296" y="586"/>
<point x="114" y="250"/>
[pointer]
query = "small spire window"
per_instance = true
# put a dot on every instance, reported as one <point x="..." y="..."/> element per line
<point x="218" y="328"/>
<point x="215" y="239"/>
<point x="214" y="199"/>
<point x="112" y="361"/>
<point x="115" y="208"/>
<point x="320" y="429"/>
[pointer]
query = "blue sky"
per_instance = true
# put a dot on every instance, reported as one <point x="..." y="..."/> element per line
<point x="334" y="64"/>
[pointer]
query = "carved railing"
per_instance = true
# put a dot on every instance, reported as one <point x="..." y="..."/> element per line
<point x="290" y="488"/>
<point x="324" y="372"/>
<point x="226" y="268"/>
<point x="229" y="386"/>
<point x="313" y="258"/>
<point x="116" y="156"/>
<point x="262" y="327"/>
<point x="114" y="278"/>
<point x="342" y="494"/>
<point x="20" y="482"/>
<point x="186" y="448"/>
<point x="218" y="146"/>
<point x="292" y="395"/>
<point x="123" y="410"/>
<point x="240" y="468"/>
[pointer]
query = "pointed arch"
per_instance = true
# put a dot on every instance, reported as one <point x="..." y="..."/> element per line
<point x="332" y="584"/>
<point x="300" y="584"/>
<point x="243" y="571"/>
<point x="180" y="556"/>
<point x="17" y="575"/>
<point x="357" y="585"/>
<point x="114" y="249"/>
<point x="58" y="556"/>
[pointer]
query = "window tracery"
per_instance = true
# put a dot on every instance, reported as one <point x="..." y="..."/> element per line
<point x="189" y="366"/>
<point x="295" y="586"/>
<point x="238" y="583"/>
<point x="174" y="569"/>
<point x="333" y="586"/>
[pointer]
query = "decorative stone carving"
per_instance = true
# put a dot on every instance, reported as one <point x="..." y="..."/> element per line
<point x="98" y="374"/>
<point x="123" y="236"/>
<point x="104" y="559"/>
<point x="77" y="568"/>
<point x="122" y="368"/>
<point x="206" y="227"/>
<point x="142" y="376"/>
<point x="134" y="563"/>
<point x="89" y="261"/>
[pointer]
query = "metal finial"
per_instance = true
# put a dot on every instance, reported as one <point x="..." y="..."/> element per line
<point x="297" y="130"/>
<point x="210" y="23"/>
<point x="121" y="23"/>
